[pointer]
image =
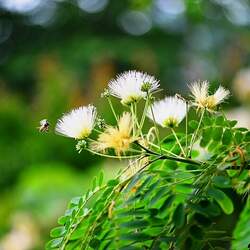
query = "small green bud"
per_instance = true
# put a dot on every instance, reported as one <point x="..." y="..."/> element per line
<point x="151" y="98"/>
<point x="105" y="93"/>
<point x="100" y="123"/>
<point x="81" y="145"/>
<point x="146" y="86"/>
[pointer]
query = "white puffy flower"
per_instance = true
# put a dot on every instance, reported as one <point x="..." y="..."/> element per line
<point x="202" y="99"/>
<point x="78" y="123"/>
<point x="132" y="86"/>
<point x="220" y="95"/>
<point x="168" y="112"/>
<point x="199" y="91"/>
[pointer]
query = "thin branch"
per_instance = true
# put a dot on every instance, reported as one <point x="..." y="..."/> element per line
<point x="196" y="132"/>
<point x="178" y="142"/>
<point x="112" y="108"/>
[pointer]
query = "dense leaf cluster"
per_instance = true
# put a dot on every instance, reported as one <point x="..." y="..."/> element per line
<point x="168" y="204"/>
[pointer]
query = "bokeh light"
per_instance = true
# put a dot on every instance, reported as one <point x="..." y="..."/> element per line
<point x="135" y="23"/>
<point x="21" y="6"/>
<point x="92" y="6"/>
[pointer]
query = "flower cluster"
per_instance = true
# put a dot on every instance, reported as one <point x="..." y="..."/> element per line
<point x="131" y="87"/>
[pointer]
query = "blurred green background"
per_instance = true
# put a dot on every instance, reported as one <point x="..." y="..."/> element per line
<point x="56" y="55"/>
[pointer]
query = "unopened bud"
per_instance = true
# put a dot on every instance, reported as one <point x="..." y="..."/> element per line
<point x="105" y="93"/>
<point x="146" y="86"/>
<point x="100" y="123"/>
<point x="81" y="145"/>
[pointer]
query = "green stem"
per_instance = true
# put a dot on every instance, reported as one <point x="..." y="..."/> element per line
<point x="156" y="127"/>
<point x="97" y="130"/>
<point x="144" y="113"/>
<point x="163" y="149"/>
<point x="187" y="128"/>
<point x="112" y="108"/>
<point x="133" y="119"/>
<point x="177" y="140"/>
<point x="136" y="120"/>
<point x="196" y="132"/>
<point x="113" y="156"/>
<point x="180" y="159"/>
<point x="146" y="149"/>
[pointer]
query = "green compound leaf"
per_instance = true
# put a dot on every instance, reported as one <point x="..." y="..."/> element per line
<point x="232" y="123"/>
<point x="144" y="184"/>
<point x="94" y="183"/>
<point x="193" y="124"/>
<point x="222" y="181"/>
<point x="167" y="203"/>
<point x="77" y="233"/>
<point x="227" y="137"/>
<point x="158" y="196"/>
<point x="112" y="183"/>
<point x="196" y="232"/>
<point x="222" y="199"/>
<point x="202" y="220"/>
<point x="63" y="219"/>
<point x="247" y="136"/>
<point x="135" y="224"/>
<point x="57" y="232"/>
<point x="217" y="133"/>
<point x="179" y="216"/>
<point x="238" y="137"/>
<point x="206" y="136"/>
<point x="220" y="120"/>
<point x="208" y="120"/>
<point x="94" y="243"/>
<point x="135" y="236"/>
<point x="100" y="179"/>
<point x="241" y="234"/>
<point x="54" y="244"/>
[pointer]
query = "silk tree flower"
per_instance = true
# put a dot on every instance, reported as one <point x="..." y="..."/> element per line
<point x="168" y="112"/>
<point x="131" y="86"/>
<point x="202" y="99"/>
<point x="118" y="138"/>
<point x="78" y="123"/>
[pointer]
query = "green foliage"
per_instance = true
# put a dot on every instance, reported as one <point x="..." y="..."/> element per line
<point x="171" y="203"/>
<point x="241" y="233"/>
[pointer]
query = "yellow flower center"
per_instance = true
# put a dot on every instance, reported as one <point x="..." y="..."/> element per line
<point x="211" y="102"/>
<point x="170" y="122"/>
<point x="207" y="102"/>
<point x="83" y="134"/>
<point x="130" y="99"/>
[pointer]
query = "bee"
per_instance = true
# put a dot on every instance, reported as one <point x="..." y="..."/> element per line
<point x="44" y="125"/>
